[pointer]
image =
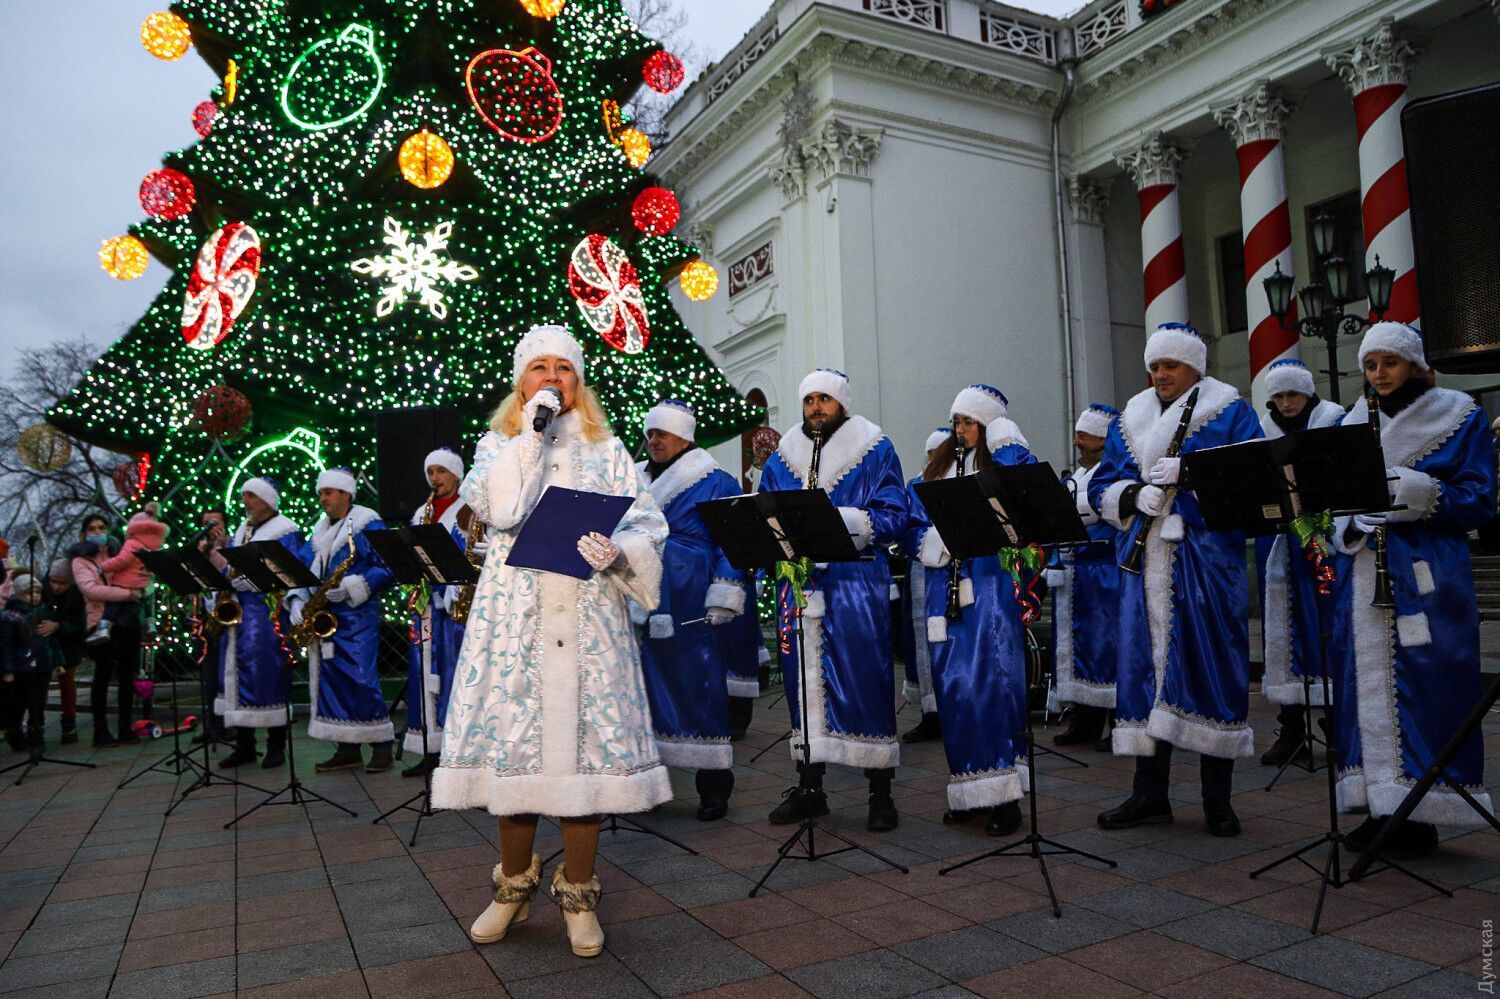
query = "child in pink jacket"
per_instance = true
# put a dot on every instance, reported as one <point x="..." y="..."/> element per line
<point x="142" y="533"/>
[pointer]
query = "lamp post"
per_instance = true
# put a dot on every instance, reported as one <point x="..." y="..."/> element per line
<point x="1323" y="302"/>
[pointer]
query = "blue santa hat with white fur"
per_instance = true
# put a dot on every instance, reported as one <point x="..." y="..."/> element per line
<point x="674" y="417"/>
<point x="832" y="383"/>
<point x="1096" y="419"/>
<point x="936" y="439"/>
<point x="337" y="478"/>
<point x="1394" y="338"/>
<point x="1289" y="375"/>
<point x="266" y="488"/>
<point x="982" y="403"/>
<point x="1177" y="342"/>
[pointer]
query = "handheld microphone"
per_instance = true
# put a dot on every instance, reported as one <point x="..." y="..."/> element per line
<point x="544" y="413"/>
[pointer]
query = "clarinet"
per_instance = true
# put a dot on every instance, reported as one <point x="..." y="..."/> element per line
<point x="817" y="455"/>
<point x="955" y="611"/>
<point x="1137" y="553"/>
<point x="1383" y="597"/>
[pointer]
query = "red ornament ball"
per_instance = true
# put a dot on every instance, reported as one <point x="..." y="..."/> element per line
<point x="130" y="477"/>
<point x="222" y="412"/>
<point x="664" y="72"/>
<point x="204" y="116"/>
<point x="656" y="211"/>
<point x="762" y="444"/>
<point x="515" y="94"/>
<point x="168" y="194"/>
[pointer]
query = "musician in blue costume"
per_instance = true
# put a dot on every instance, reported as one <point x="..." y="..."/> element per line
<point x="851" y="719"/>
<point x="744" y="650"/>
<point x="431" y="658"/>
<point x="1086" y="599"/>
<point x="701" y="594"/>
<point x="1293" y="616"/>
<point x="916" y="687"/>
<point x="979" y="659"/>
<point x="255" y="672"/>
<point x="1184" y="646"/>
<point x="347" y="708"/>
<point x="1415" y="670"/>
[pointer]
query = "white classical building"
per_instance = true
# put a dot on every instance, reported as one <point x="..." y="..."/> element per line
<point x="882" y="185"/>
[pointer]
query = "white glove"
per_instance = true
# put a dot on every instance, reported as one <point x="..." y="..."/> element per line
<point x="1151" y="500"/>
<point x="1055" y="577"/>
<point x="598" y="551"/>
<point x="295" y="614"/>
<point x="337" y="595"/>
<point x="480" y="549"/>
<point x="1165" y="472"/>
<point x="1366" y="523"/>
<point x="241" y="584"/>
<point x="719" y="615"/>
<point x="536" y="402"/>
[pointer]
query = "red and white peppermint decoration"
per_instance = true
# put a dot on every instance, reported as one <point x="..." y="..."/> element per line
<point x="221" y="285"/>
<point x="609" y="294"/>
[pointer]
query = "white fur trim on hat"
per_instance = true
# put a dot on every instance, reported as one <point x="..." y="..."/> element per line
<point x="265" y="489"/>
<point x="1095" y="420"/>
<point x="547" y="341"/>
<point x="674" y="417"/>
<point x="444" y="458"/>
<point x="979" y="402"/>
<point x="1396" y="338"/>
<point x="1289" y="375"/>
<point x="940" y="436"/>
<point x="337" y="478"/>
<point x="1177" y="342"/>
<point x="834" y="384"/>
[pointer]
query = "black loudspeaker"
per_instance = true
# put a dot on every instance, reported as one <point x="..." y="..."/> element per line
<point x="1453" y="173"/>
<point x="403" y="438"/>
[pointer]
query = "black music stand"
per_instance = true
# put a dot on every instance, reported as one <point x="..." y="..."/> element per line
<point x="270" y="567"/>
<point x="1010" y="506"/>
<point x="757" y="532"/>
<point x="1260" y="487"/>
<point x="421" y="554"/>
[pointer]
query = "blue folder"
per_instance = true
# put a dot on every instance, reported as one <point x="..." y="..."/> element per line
<point x="549" y="539"/>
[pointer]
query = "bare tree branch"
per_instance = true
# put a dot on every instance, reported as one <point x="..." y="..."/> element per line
<point x="664" y="21"/>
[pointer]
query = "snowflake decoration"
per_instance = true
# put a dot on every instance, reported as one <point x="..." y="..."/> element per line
<point x="413" y="268"/>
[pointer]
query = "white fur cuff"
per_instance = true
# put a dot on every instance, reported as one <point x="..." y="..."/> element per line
<point x="1422" y="573"/>
<point x="816" y="605"/>
<point x="966" y="592"/>
<point x="1109" y="505"/>
<point x="726" y="594"/>
<point x="859" y="525"/>
<point x="1417" y="491"/>
<point x="1412" y="630"/>
<point x="358" y="590"/>
<point x="1172" y="528"/>
<point x="1004" y="431"/>
<point x="931" y="551"/>
<point x="638" y="614"/>
<point x="660" y="626"/>
<point x="937" y="630"/>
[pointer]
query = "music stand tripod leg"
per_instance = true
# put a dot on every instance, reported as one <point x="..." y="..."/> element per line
<point x="299" y="795"/>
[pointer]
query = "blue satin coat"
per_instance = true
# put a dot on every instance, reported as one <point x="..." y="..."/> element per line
<point x="916" y="658"/>
<point x="851" y="674"/>
<point x="1085" y="626"/>
<point x="743" y="649"/>
<point x="445" y="637"/>
<point x="979" y="671"/>
<point x="1186" y="678"/>
<point x="255" y="671"/>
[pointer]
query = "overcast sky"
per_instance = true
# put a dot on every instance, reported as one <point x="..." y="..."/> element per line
<point x="87" y="113"/>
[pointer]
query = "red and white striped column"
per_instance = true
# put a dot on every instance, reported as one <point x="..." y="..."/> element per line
<point x="1154" y="169"/>
<point x="1374" y="68"/>
<point x="1255" y="122"/>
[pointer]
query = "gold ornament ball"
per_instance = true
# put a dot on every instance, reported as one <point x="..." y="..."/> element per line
<point x="426" y="160"/>
<point x="637" y="147"/>
<point x="123" y="257"/>
<point x="44" y="448"/>
<point x="546" y="9"/>
<point x="699" y="281"/>
<point x="166" y="36"/>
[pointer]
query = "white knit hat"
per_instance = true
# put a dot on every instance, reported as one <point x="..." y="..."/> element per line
<point x="982" y="403"/>
<point x="937" y="438"/>
<point x="1177" y="342"/>
<point x="830" y="382"/>
<point x="1289" y="375"/>
<point x="337" y="478"/>
<point x="547" y="341"/>
<point x="1396" y="338"/>
<point x="673" y="416"/>
<point x="444" y="457"/>
<point x="1096" y="419"/>
<point x="265" y="488"/>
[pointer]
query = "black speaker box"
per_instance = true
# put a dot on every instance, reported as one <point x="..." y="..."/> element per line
<point x="1453" y="174"/>
<point x="403" y="438"/>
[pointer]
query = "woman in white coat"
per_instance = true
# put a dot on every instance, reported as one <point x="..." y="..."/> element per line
<point x="548" y="714"/>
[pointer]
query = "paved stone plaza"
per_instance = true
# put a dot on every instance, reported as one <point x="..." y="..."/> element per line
<point x="102" y="895"/>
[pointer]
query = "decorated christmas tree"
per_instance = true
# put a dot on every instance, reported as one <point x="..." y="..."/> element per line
<point x="386" y="195"/>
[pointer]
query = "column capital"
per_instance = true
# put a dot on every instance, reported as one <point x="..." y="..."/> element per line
<point x="1088" y="198"/>
<point x="1258" y="114"/>
<point x="1155" y="161"/>
<point x="840" y="148"/>
<point x="1379" y="57"/>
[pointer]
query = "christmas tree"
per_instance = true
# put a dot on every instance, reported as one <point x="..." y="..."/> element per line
<point x="387" y="194"/>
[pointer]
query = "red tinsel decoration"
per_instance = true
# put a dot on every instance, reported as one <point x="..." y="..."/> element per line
<point x="222" y="412"/>
<point x="656" y="211"/>
<point x="167" y="194"/>
<point x="204" y="116"/>
<point x="664" y="72"/>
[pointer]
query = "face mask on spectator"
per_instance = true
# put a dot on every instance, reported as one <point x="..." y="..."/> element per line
<point x="97" y="539"/>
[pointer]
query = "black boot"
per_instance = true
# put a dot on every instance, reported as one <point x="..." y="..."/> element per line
<point x="714" y="788"/>
<point x="69" y="731"/>
<point x="741" y="709"/>
<point x="882" y="816"/>
<point x="380" y="758"/>
<point x="420" y="769"/>
<point x="805" y="801"/>
<point x="929" y="728"/>
<point x="36" y="742"/>
<point x="958" y="816"/>
<point x="1084" y="725"/>
<point x="1288" y="742"/>
<point x="15" y="738"/>
<point x="275" y="748"/>
<point x="346" y="756"/>
<point x="1364" y="834"/>
<point x="1219" y="816"/>
<point x="244" y="750"/>
<point x="1106" y="743"/>
<point x="1004" y="819"/>
<point x="1136" y="811"/>
<point x="1411" y="841"/>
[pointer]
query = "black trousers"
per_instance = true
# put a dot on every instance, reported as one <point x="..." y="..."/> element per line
<point x="208" y="679"/>
<point x="116" y="661"/>
<point x="1153" y="774"/>
<point x="28" y="701"/>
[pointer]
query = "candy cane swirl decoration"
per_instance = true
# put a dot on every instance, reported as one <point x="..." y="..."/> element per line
<point x="609" y="294"/>
<point x="221" y="285"/>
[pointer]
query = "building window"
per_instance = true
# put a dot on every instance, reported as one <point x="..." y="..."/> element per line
<point x="1348" y="238"/>
<point x="1232" y="282"/>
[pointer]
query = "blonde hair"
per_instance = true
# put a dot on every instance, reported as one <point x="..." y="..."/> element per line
<point x="506" y="419"/>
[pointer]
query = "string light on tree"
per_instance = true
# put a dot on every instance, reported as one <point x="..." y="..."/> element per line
<point x="221" y="286"/>
<point x="699" y="281"/>
<point x="167" y="194"/>
<point x="413" y="268"/>
<point x="123" y="257"/>
<point x="426" y="160"/>
<point x="166" y="36"/>
<point x="663" y="72"/>
<point x="515" y="94"/>
<point x="614" y="120"/>
<point x="655" y="211"/>
<point x="636" y="146"/>
<point x="231" y="83"/>
<point x="545" y="9"/>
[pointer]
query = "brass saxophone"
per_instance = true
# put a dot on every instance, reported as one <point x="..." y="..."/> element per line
<point x="473" y="534"/>
<point x="318" y="622"/>
<point x="227" y="610"/>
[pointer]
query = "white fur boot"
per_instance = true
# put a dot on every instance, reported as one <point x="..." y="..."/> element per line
<point x="579" y="903"/>
<point x="512" y="904"/>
